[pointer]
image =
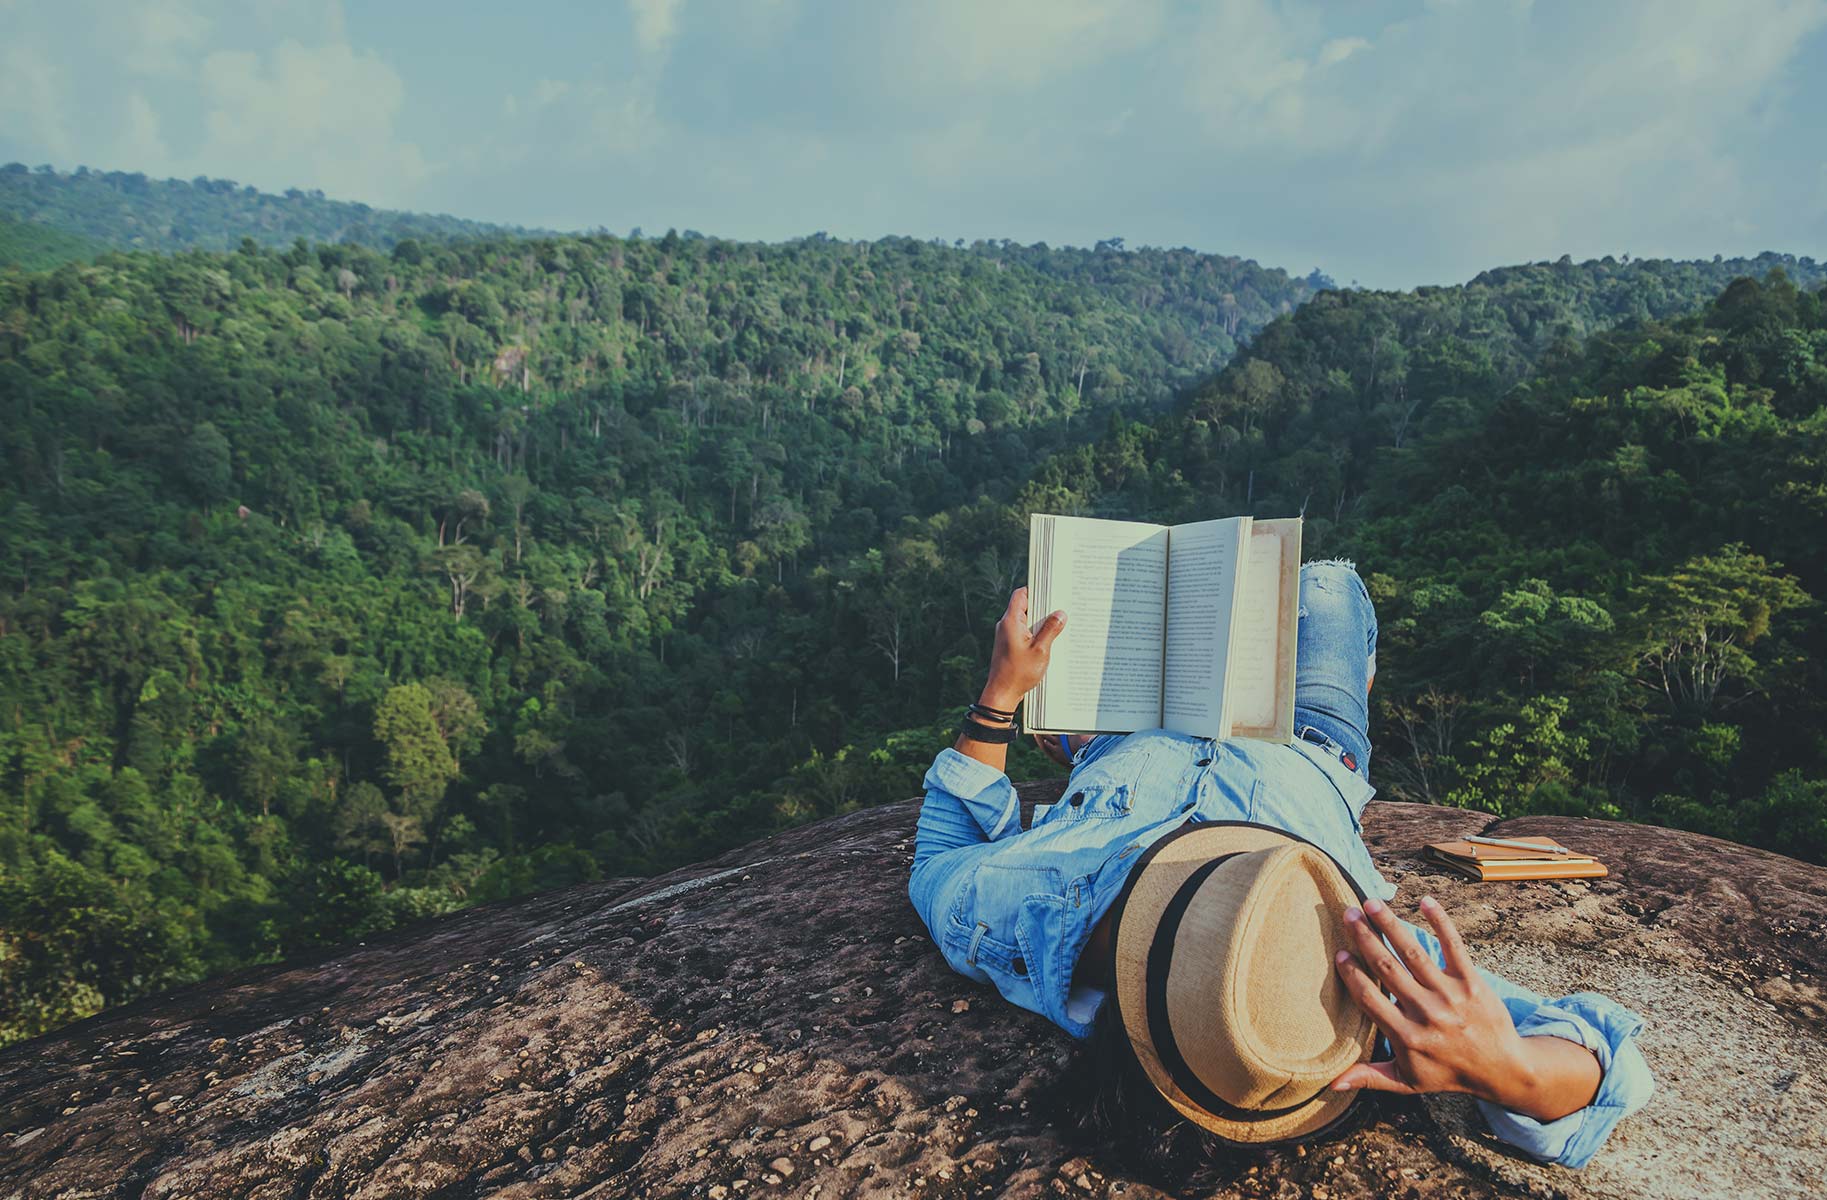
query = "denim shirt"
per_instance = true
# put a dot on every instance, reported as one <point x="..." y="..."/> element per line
<point x="1015" y="908"/>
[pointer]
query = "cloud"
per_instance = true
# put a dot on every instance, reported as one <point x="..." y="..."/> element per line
<point x="1249" y="69"/>
<point x="309" y="116"/>
<point x="1011" y="45"/>
<point x="140" y="139"/>
<point x="159" y="37"/>
<point x="656" y="22"/>
<point x="952" y="152"/>
<point x="1463" y="135"/>
<point x="272" y="93"/>
<point x="1395" y="141"/>
<point x="32" y="90"/>
<point x="1339" y="49"/>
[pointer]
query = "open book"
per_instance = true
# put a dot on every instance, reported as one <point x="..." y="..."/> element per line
<point x="1185" y="627"/>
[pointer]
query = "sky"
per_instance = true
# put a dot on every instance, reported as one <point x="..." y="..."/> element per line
<point x="1387" y="142"/>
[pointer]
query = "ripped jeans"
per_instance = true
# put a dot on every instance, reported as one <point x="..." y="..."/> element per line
<point x="1335" y="657"/>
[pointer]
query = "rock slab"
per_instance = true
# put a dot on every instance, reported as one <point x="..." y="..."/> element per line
<point x="775" y="1022"/>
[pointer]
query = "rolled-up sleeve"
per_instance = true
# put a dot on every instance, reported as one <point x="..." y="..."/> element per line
<point x="966" y="802"/>
<point x="1606" y="1028"/>
<point x="1603" y="1026"/>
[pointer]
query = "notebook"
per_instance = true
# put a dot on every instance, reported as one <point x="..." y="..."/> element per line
<point x="1477" y="861"/>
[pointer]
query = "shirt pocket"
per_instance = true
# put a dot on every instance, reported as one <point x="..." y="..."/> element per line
<point x="1091" y="800"/>
<point x="1106" y="787"/>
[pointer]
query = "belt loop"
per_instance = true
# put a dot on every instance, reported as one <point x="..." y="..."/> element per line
<point x="970" y="956"/>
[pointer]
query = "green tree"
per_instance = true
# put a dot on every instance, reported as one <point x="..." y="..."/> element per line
<point x="418" y="761"/>
<point x="1698" y="625"/>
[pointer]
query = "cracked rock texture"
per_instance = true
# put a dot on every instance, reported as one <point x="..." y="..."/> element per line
<point x="775" y="1022"/>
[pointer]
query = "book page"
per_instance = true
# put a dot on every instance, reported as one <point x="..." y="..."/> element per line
<point x="1202" y="581"/>
<point x="1260" y="687"/>
<point x="1110" y="577"/>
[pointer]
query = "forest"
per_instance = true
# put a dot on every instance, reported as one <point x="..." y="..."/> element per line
<point x="345" y="584"/>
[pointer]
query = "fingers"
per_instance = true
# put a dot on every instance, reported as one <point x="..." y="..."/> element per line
<point x="1017" y="610"/>
<point x="1419" y="962"/>
<point x="1374" y="1077"/>
<point x="1049" y="746"/>
<point x="1452" y="946"/>
<point x="1379" y="959"/>
<point x="1367" y="996"/>
<point x="1049" y="629"/>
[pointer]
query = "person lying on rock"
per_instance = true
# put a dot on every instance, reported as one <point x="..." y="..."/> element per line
<point x="1207" y="914"/>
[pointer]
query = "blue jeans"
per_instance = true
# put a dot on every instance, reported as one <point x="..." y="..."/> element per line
<point x="1335" y="657"/>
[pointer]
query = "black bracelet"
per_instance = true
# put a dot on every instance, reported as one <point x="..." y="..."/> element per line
<point x="977" y="731"/>
<point x="994" y="714"/>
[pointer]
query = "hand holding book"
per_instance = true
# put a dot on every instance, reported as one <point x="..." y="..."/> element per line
<point x="1018" y="662"/>
<point x="1019" y="658"/>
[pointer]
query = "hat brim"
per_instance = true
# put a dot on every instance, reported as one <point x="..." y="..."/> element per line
<point x="1153" y="883"/>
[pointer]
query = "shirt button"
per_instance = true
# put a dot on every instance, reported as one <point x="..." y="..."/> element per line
<point x="1204" y="762"/>
<point x="1076" y="799"/>
<point x="1019" y="966"/>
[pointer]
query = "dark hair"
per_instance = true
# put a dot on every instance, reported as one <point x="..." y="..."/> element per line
<point x="1145" y="1133"/>
<point x="1126" y="1112"/>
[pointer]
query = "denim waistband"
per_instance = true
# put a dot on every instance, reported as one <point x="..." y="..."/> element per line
<point x="1322" y="728"/>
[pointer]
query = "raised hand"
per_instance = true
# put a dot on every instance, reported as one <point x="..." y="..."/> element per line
<point x="1020" y="656"/>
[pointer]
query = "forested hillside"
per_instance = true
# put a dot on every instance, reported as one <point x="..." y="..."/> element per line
<point x="341" y="587"/>
<point x="34" y="247"/>
<point x="128" y="211"/>
<point x="1599" y="587"/>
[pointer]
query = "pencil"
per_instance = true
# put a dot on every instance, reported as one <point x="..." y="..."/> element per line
<point x="1485" y="841"/>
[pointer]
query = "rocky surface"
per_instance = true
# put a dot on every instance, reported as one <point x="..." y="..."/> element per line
<point x="776" y="1023"/>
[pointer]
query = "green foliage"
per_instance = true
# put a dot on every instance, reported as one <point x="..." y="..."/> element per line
<point x="34" y="247"/>
<point x="1596" y="563"/>
<point x="342" y="587"/>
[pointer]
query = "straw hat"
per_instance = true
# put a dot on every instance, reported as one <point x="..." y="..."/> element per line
<point x="1225" y="937"/>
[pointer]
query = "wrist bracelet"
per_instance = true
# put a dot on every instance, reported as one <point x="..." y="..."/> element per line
<point x="977" y="731"/>
<point x="994" y="714"/>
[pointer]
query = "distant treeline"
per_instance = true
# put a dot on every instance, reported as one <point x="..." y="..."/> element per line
<point x="126" y="210"/>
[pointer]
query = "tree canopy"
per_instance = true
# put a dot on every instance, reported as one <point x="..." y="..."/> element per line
<point x="345" y="584"/>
